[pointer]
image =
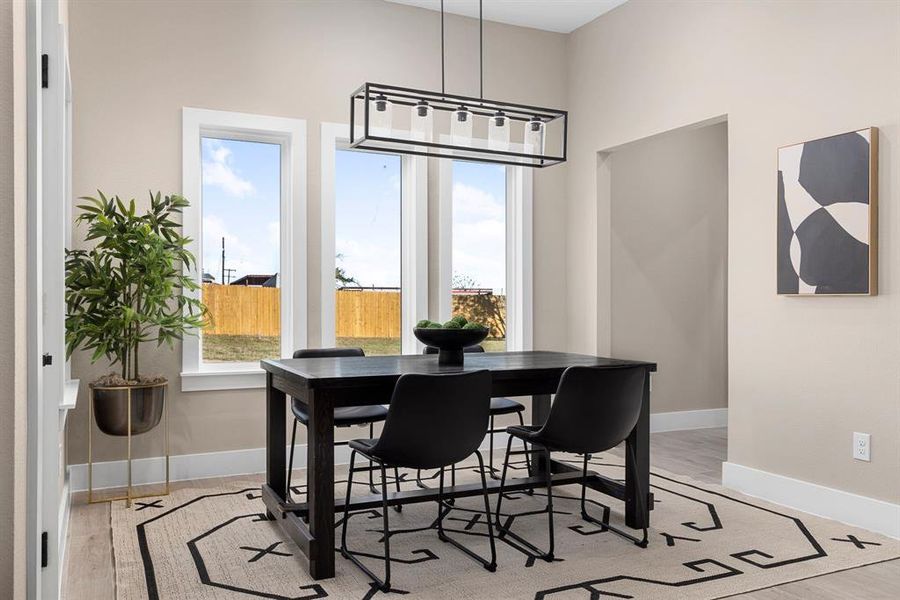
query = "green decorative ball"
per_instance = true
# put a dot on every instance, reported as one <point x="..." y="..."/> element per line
<point x="451" y="324"/>
<point x="433" y="325"/>
<point x="474" y="325"/>
<point x="460" y="319"/>
<point x="424" y="323"/>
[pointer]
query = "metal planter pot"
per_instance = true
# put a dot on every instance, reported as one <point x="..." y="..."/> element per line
<point x="111" y="411"/>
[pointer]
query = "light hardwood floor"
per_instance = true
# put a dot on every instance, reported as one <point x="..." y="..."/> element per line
<point x="698" y="454"/>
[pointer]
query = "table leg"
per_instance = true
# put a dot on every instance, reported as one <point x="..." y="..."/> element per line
<point x="637" y="460"/>
<point x="276" y="433"/>
<point x="320" y="485"/>
<point x="540" y="410"/>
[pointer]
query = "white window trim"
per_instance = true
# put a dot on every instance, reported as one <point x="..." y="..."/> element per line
<point x="413" y="235"/>
<point x="291" y="135"/>
<point x="519" y="290"/>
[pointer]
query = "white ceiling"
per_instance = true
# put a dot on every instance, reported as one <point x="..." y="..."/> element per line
<point x="562" y="16"/>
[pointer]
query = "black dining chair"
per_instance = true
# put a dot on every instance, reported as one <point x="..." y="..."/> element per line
<point x="499" y="407"/>
<point x="433" y="421"/>
<point x="595" y="409"/>
<point x="345" y="416"/>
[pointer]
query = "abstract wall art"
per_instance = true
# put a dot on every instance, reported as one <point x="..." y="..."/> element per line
<point x="828" y="215"/>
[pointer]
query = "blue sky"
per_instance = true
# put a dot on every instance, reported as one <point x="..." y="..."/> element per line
<point x="241" y="202"/>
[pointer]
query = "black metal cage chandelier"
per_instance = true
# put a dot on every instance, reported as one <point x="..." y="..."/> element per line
<point x="401" y="120"/>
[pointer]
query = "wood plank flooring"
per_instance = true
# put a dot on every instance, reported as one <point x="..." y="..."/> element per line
<point x="89" y="574"/>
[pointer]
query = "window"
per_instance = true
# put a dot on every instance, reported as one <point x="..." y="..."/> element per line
<point x="478" y="282"/>
<point x="485" y="249"/>
<point x="374" y="246"/>
<point x="241" y="200"/>
<point x="245" y="178"/>
<point x="367" y="225"/>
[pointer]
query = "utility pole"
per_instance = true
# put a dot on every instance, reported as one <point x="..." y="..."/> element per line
<point x="225" y="272"/>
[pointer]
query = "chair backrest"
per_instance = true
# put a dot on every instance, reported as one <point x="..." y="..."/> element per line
<point x="328" y="352"/>
<point x="324" y="353"/>
<point x="595" y="408"/>
<point x="435" y="420"/>
<point x="433" y="350"/>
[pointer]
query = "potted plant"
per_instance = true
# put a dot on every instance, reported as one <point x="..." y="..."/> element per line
<point x="126" y="291"/>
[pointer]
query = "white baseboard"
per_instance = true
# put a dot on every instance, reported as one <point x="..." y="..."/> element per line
<point x="185" y="467"/>
<point x="65" y="507"/>
<point x="688" y="419"/>
<point x="860" y="511"/>
<point x="243" y="462"/>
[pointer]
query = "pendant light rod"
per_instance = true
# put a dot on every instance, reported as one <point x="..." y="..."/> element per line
<point x="481" y="47"/>
<point x="443" y="87"/>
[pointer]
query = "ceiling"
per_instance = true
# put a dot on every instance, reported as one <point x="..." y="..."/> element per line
<point x="562" y="16"/>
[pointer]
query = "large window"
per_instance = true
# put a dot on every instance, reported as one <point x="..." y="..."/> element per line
<point x="484" y="249"/>
<point x="479" y="248"/>
<point x="241" y="200"/>
<point x="374" y="247"/>
<point x="245" y="177"/>
<point x="367" y="219"/>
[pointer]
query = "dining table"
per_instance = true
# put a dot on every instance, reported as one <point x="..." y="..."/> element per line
<point x="324" y="384"/>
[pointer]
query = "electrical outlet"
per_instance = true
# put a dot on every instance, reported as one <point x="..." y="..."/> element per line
<point x="862" y="446"/>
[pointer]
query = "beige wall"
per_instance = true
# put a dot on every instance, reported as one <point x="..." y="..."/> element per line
<point x="136" y="64"/>
<point x="669" y="225"/>
<point x="12" y="299"/>
<point x="804" y="373"/>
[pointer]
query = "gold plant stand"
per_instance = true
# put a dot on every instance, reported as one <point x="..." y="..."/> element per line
<point x="129" y="496"/>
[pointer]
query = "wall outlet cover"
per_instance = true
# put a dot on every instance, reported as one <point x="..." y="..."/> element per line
<point x="862" y="446"/>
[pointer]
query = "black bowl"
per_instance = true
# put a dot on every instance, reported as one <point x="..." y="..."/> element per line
<point x="450" y="342"/>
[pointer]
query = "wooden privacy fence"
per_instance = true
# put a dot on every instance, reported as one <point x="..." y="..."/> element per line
<point x="242" y="310"/>
<point x="255" y="311"/>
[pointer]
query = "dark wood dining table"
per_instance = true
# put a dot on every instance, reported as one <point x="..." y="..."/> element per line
<point x="326" y="383"/>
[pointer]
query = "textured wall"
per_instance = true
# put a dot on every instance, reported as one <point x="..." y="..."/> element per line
<point x="802" y="371"/>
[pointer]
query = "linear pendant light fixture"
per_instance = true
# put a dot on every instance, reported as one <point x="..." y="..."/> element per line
<point x="401" y="120"/>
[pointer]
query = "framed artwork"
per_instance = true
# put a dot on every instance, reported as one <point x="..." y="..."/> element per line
<point x="828" y="216"/>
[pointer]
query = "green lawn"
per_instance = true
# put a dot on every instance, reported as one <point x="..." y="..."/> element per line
<point x="247" y="348"/>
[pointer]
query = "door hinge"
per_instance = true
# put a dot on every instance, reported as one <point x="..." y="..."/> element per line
<point x="47" y="360"/>
<point x="45" y="71"/>
<point x="44" y="558"/>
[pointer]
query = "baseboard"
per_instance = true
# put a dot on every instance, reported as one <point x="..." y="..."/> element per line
<point x="184" y="467"/>
<point x="65" y="507"/>
<point x="688" y="419"/>
<point x="860" y="511"/>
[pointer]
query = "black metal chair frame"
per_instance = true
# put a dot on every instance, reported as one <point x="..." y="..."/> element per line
<point x="545" y="449"/>
<point x="430" y="424"/>
<point x="444" y="508"/>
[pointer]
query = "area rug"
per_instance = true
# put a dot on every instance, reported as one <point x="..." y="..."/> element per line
<point x="705" y="542"/>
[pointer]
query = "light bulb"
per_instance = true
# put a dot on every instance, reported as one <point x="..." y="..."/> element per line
<point x="381" y="116"/>
<point x="534" y="136"/>
<point x="423" y="121"/>
<point x="461" y="126"/>
<point x="498" y="131"/>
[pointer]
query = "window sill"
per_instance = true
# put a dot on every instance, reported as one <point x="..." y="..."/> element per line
<point x="223" y="379"/>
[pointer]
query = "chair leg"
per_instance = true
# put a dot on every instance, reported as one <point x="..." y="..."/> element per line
<point x="383" y="585"/>
<point x="504" y="530"/>
<point x="372" y="464"/>
<point x="397" y="507"/>
<point x="529" y="491"/>
<point x="291" y="461"/>
<point x="489" y="565"/>
<point x="491" y="446"/>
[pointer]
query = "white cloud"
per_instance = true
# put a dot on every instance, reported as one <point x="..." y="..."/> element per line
<point x="472" y="204"/>
<point x="218" y="170"/>
<point x="370" y="264"/>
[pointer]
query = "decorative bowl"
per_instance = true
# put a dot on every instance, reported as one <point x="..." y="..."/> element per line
<point x="450" y="342"/>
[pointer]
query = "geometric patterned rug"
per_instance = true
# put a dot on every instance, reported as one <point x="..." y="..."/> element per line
<point x="705" y="542"/>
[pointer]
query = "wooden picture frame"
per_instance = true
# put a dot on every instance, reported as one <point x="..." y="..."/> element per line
<point x="827" y="216"/>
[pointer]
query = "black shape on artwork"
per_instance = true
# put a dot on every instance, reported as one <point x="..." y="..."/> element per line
<point x="836" y="169"/>
<point x="788" y="279"/>
<point x="852" y="539"/>
<point x="146" y="505"/>
<point x="831" y="259"/>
